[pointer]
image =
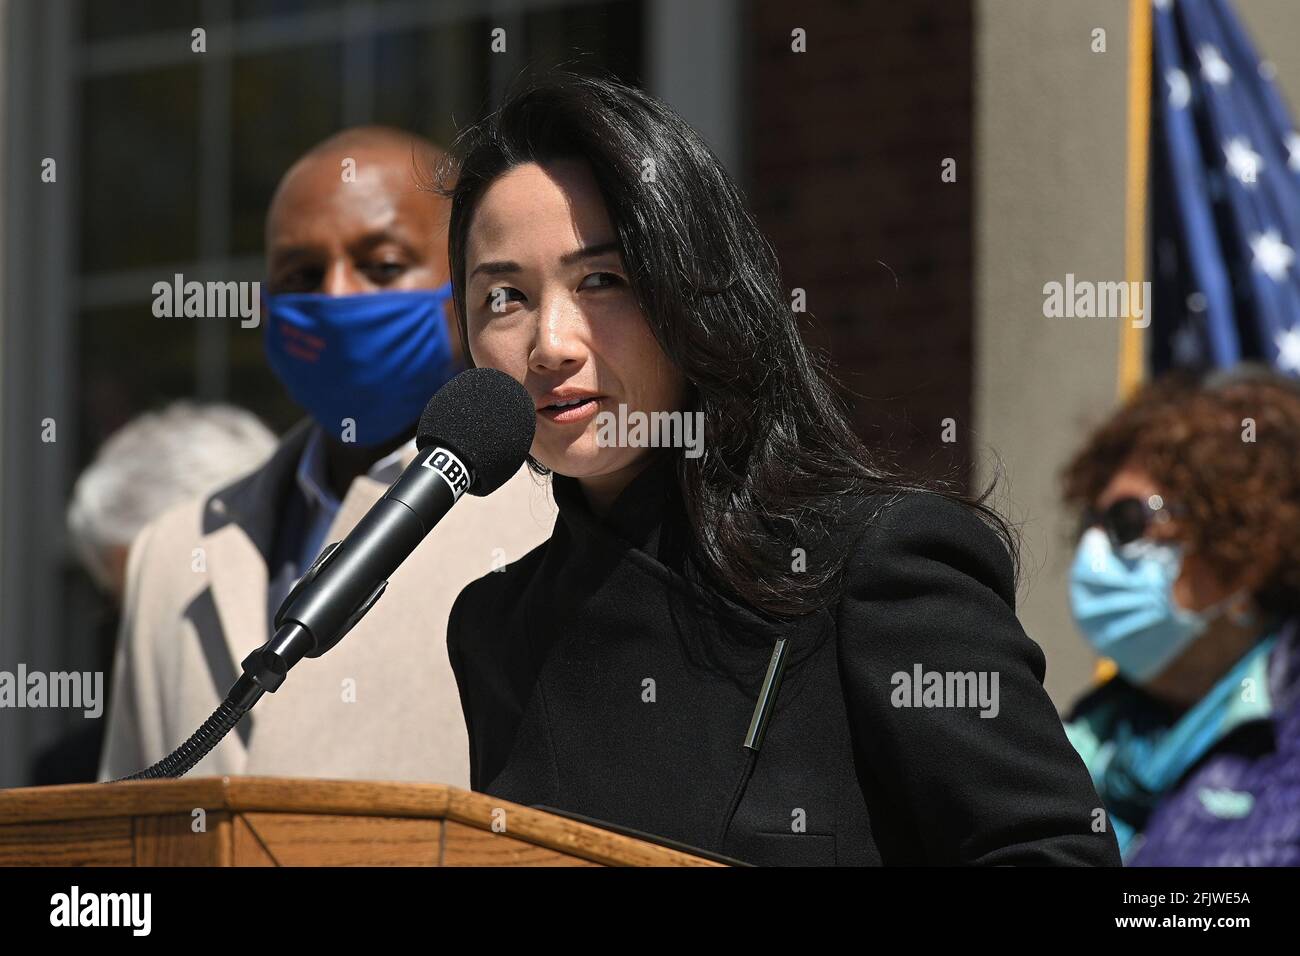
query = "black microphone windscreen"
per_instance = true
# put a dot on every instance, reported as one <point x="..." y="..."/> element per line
<point x="487" y="419"/>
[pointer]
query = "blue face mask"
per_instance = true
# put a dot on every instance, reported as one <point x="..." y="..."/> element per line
<point x="374" y="358"/>
<point x="1124" y="603"/>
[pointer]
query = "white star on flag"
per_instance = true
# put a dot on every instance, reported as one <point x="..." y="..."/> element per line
<point x="1243" y="162"/>
<point x="1180" y="88"/>
<point x="1293" y="147"/>
<point x="1288" y="349"/>
<point x="1213" y="66"/>
<point x="1272" y="256"/>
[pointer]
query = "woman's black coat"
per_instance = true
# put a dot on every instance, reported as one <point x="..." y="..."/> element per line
<point x="599" y="677"/>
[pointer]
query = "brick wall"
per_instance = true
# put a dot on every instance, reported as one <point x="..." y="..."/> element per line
<point x="845" y="144"/>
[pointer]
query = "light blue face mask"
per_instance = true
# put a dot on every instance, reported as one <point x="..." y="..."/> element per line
<point x="1124" y="603"/>
<point x="372" y="359"/>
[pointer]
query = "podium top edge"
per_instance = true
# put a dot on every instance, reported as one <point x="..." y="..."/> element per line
<point x="298" y="795"/>
<point x="83" y="801"/>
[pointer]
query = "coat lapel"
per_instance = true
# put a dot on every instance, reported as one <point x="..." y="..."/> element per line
<point x="240" y="524"/>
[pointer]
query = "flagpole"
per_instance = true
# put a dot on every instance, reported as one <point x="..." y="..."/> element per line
<point x="1131" y="341"/>
<point x="1132" y="344"/>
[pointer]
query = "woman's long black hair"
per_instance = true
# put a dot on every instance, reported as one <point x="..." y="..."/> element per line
<point x="781" y="469"/>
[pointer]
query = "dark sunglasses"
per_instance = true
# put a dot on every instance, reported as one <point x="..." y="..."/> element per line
<point x="1128" y="519"/>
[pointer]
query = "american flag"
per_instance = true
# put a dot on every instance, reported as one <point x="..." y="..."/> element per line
<point x="1225" y="196"/>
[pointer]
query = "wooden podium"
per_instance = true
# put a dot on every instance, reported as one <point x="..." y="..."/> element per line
<point x="275" y="821"/>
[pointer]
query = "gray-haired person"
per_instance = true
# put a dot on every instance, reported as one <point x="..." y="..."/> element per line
<point x="155" y="461"/>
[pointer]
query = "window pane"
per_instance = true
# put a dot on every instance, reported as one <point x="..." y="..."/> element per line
<point x="129" y="361"/>
<point x="429" y="81"/>
<point x="588" y="36"/>
<point x="139" y="194"/>
<point x="281" y="104"/>
<point x="113" y="19"/>
<point x="271" y="8"/>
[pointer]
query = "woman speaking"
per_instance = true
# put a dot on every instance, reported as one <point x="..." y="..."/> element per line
<point x="743" y="634"/>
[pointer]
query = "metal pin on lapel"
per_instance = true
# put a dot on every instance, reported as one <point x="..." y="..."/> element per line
<point x="766" y="697"/>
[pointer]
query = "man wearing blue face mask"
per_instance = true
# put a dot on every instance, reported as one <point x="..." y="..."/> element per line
<point x="358" y="328"/>
<point x="1187" y="578"/>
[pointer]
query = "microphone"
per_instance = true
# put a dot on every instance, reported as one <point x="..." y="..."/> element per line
<point x="473" y="436"/>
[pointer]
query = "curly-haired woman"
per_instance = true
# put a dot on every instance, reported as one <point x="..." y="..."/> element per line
<point x="1187" y="577"/>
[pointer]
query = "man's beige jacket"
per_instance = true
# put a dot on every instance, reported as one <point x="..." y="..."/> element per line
<point x="381" y="705"/>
